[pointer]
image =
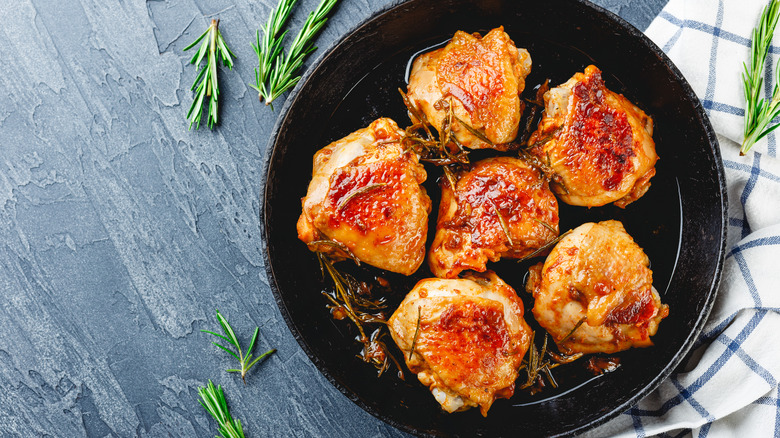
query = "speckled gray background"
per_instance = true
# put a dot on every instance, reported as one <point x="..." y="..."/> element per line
<point x="121" y="231"/>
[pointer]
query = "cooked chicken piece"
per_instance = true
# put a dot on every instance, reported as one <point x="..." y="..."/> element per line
<point x="598" y="144"/>
<point x="502" y="207"/>
<point x="365" y="197"/>
<point x="599" y="277"/>
<point x="481" y="78"/>
<point x="464" y="338"/>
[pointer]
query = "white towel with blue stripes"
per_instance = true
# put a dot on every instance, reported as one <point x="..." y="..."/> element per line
<point x="729" y="386"/>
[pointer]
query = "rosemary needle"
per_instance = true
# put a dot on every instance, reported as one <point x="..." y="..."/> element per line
<point x="283" y="74"/>
<point x="246" y="362"/>
<point x="758" y="112"/>
<point x="206" y="85"/>
<point x="213" y="401"/>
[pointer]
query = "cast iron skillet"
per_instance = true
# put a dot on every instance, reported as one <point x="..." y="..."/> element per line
<point x="680" y="222"/>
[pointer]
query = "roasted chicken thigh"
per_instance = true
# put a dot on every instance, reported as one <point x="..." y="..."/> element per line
<point x="598" y="145"/>
<point x="464" y="338"/>
<point x="594" y="293"/>
<point x="365" y="200"/>
<point x="480" y="79"/>
<point x="501" y="207"/>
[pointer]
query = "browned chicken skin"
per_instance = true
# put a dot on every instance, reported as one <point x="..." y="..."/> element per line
<point x="365" y="196"/>
<point x="600" y="276"/>
<point x="471" y="341"/>
<point x="502" y="207"/>
<point x="481" y="78"/>
<point x="598" y="145"/>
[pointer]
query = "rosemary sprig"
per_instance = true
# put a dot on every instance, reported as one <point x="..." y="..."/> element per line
<point x="283" y="74"/>
<point x="246" y="362"/>
<point x="213" y="401"/>
<point x="535" y="364"/>
<point x="758" y="112"/>
<point x="206" y="85"/>
<point x="540" y="362"/>
<point x="447" y="150"/>
<point x="314" y="246"/>
<point x="352" y="299"/>
<point x="270" y="47"/>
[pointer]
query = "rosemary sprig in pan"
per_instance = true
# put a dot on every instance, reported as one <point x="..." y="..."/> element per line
<point x="352" y="299"/>
<point x="758" y="112"/>
<point x="315" y="246"/>
<point x="535" y="364"/>
<point x="535" y="110"/>
<point x="246" y="362"/>
<point x="444" y="151"/>
<point x="540" y="362"/>
<point x="270" y="47"/>
<point x="283" y="75"/>
<point x="213" y="47"/>
<point x="213" y="401"/>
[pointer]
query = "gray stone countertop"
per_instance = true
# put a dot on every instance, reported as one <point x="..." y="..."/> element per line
<point x="121" y="230"/>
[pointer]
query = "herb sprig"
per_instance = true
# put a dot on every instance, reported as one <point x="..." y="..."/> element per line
<point x="273" y="80"/>
<point x="352" y="299"/>
<point x="270" y="47"/>
<point x="758" y="112"/>
<point x="246" y="362"/>
<point x="213" y="401"/>
<point x="212" y="48"/>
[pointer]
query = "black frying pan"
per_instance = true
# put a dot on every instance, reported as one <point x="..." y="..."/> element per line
<point x="680" y="222"/>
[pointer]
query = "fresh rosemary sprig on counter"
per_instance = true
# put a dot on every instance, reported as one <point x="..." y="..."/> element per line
<point x="206" y="85"/>
<point x="246" y="362"/>
<point x="758" y="112"/>
<point x="213" y="401"/>
<point x="270" y="47"/>
<point x="273" y="80"/>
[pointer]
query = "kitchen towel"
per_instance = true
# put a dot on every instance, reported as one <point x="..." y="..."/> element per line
<point x="729" y="385"/>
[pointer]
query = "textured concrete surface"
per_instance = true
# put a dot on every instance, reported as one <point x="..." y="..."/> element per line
<point x="121" y="231"/>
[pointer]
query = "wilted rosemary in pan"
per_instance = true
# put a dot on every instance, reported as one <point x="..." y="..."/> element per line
<point x="213" y="48"/>
<point x="352" y="299"/>
<point x="540" y="362"/>
<point x="444" y="151"/>
<point x="535" y="110"/>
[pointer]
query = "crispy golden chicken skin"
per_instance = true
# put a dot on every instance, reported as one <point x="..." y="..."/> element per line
<point x="481" y="78"/>
<point x="365" y="196"/>
<point x="598" y="275"/>
<point x="598" y="145"/>
<point x="471" y="341"/>
<point x="501" y="207"/>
